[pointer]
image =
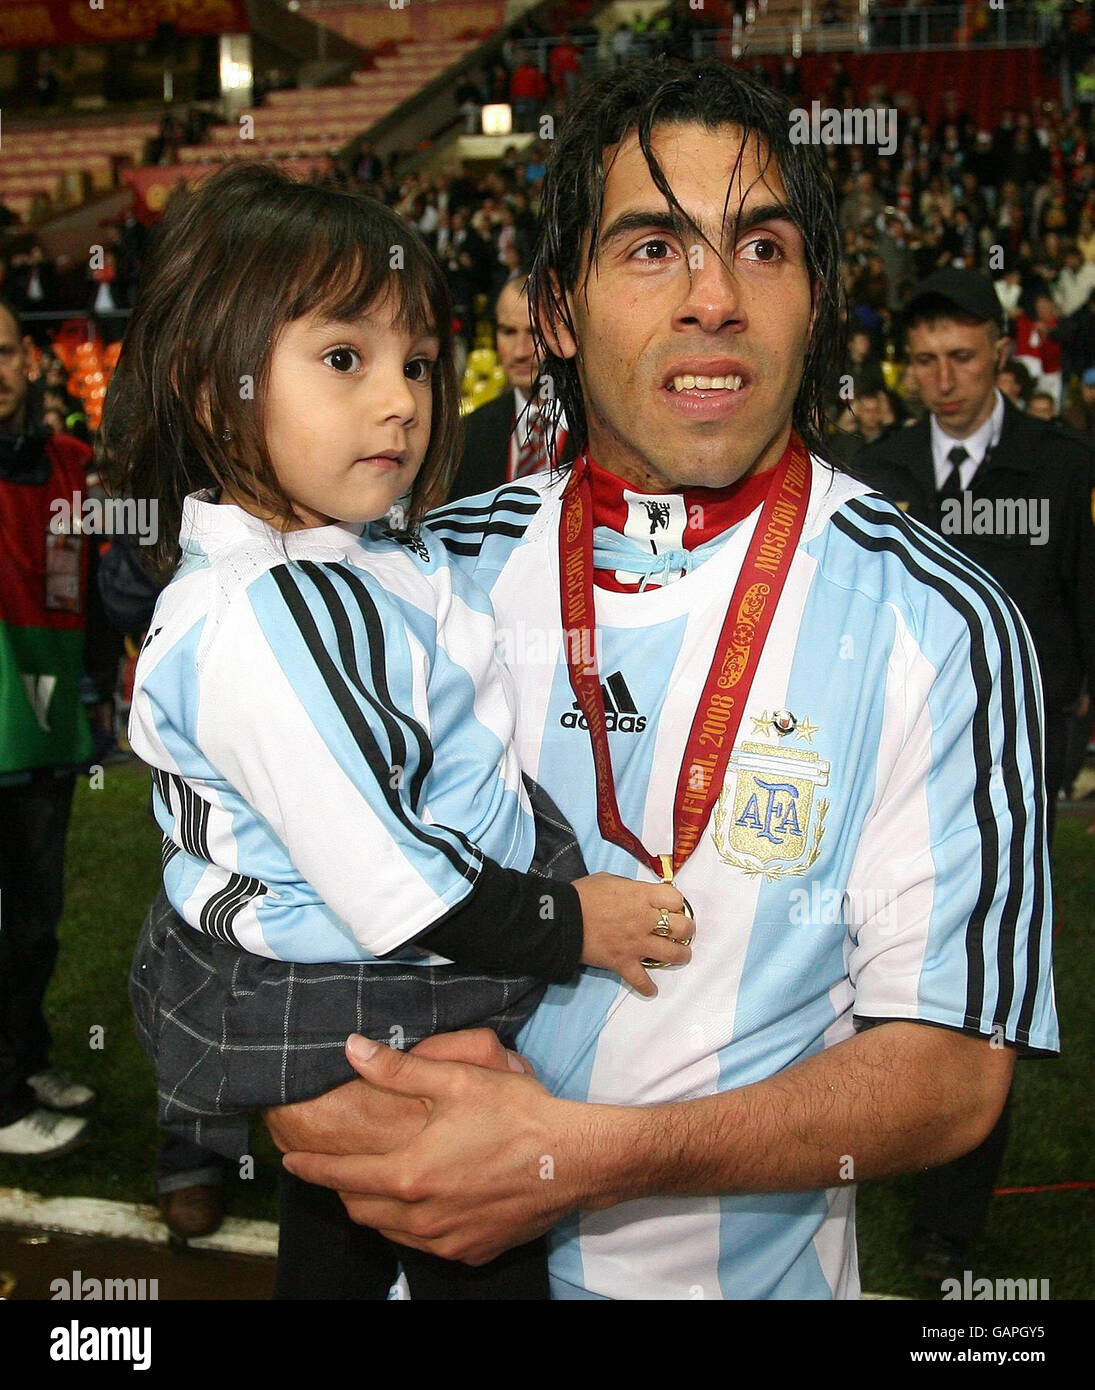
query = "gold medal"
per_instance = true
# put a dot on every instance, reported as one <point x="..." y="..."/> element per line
<point x="662" y="929"/>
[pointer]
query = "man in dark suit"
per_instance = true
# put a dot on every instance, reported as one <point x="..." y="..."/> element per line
<point x="1014" y="494"/>
<point x="505" y="439"/>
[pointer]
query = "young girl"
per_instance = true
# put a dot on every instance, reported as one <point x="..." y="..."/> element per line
<point x="329" y="731"/>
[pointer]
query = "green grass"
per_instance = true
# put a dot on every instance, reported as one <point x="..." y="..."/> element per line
<point x="113" y="873"/>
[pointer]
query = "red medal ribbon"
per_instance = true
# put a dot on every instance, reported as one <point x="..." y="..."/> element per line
<point x="737" y="653"/>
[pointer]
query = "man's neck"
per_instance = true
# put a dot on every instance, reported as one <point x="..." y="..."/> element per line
<point x="643" y="476"/>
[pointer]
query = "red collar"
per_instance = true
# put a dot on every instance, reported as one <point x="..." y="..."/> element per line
<point x="693" y="515"/>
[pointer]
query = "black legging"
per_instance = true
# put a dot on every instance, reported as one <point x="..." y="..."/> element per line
<point x="322" y="1254"/>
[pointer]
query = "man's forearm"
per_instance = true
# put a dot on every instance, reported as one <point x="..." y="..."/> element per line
<point x="472" y="1183"/>
<point x="895" y="1098"/>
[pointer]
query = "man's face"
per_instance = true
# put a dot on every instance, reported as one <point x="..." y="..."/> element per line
<point x="954" y="365"/>
<point x="859" y="345"/>
<point x="868" y="411"/>
<point x="662" y="319"/>
<point x="1041" y="407"/>
<point x="13" y="377"/>
<point x="1008" y="383"/>
<point x="513" y="338"/>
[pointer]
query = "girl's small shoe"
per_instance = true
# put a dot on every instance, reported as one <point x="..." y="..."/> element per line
<point x="192" y="1212"/>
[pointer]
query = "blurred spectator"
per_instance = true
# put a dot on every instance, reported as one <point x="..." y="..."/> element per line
<point x="1081" y="414"/>
<point x="44" y="738"/>
<point x="1075" y="282"/>
<point x="1009" y="290"/>
<point x="1015" y="383"/>
<point x="32" y="285"/>
<point x="504" y="439"/>
<point x="859" y="375"/>
<point x="369" y="166"/>
<point x="527" y="91"/>
<point x="1042" y="406"/>
<point x="469" y="100"/>
<point x="863" y="204"/>
<point x="1037" y="349"/>
<point x="621" y="44"/>
<point x="564" y="66"/>
<point x="1076" y="336"/>
<point x="868" y="425"/>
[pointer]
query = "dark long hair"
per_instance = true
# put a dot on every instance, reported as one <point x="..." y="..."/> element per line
<point x="248" y="253"/>
<point x="637" y="98"/>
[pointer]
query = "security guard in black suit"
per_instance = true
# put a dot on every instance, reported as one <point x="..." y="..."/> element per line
<point x="1014" y="495"/>
<point x="496" y="436"/>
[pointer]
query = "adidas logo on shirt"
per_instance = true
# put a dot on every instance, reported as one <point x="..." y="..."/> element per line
<point x="621" y="715"/>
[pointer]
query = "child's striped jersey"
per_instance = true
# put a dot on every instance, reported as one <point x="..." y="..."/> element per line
<point x="330" y="733"/>
<point x="877" y="851"/>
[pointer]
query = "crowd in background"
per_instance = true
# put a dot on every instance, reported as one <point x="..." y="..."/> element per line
<point x="1017" y="202"/>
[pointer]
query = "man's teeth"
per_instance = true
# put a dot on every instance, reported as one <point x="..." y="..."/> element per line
<point x="706" y="383"/>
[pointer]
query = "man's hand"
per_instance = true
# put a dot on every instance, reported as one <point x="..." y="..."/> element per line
<point x="353" y="1118"/>
<point x="358" y="1117"/>
<point x="483" y="1174"/>
<point x="499" y="1160"/>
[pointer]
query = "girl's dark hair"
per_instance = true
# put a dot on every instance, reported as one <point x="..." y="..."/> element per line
<point x="249" y="252"/>
<point x="637" y="98"/>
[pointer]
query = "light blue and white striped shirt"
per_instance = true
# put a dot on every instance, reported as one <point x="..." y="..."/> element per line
<point x="331" y="738"/>
<point x="877" y="851"/>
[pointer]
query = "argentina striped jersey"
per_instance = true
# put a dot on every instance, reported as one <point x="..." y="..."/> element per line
<point x="877" y="850"/>
<point x="330" y="734"/>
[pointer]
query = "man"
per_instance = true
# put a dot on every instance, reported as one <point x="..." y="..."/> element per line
<point x="44" y="737"/>
<point x="1081" y="414"/>
<point x="869" y="423"/>
<point x="974" y="472"/>
<point x="1076" y="335"/>
<point x="860" y="373"/>
<point x="1074" y="284"/>
<point x="1042" y="406"/>
<point x="506" y="439"/>
<point x="1013" y="381"/>
<point x="897" y="258"/>
<point x="860" y="205"/>
<point x="692" y="1145"/>
<point x="1046" y="565"/>
<point x="1038" y="348"/>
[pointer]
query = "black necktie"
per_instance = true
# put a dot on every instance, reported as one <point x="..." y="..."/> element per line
<point x="952" y="487"/>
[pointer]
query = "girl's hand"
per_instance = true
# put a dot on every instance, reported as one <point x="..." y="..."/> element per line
<point x="619" y="917"/>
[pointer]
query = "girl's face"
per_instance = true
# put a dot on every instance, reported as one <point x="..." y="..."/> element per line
<point x="347" y="414"/>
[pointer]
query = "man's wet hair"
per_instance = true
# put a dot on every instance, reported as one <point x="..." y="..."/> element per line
<point x="638" y="98"/>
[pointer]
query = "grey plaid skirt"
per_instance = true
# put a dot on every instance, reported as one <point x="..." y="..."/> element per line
<point x="229" y="1032"/>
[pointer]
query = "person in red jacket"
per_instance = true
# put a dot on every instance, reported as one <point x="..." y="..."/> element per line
<point x="44" y="738"/>
<point x="564" y="65"/>
<point x="527" y="90"/>
<point x="1037" y="349"/>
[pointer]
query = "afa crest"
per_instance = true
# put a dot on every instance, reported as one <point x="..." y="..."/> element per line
<point x="767" y="820"/>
